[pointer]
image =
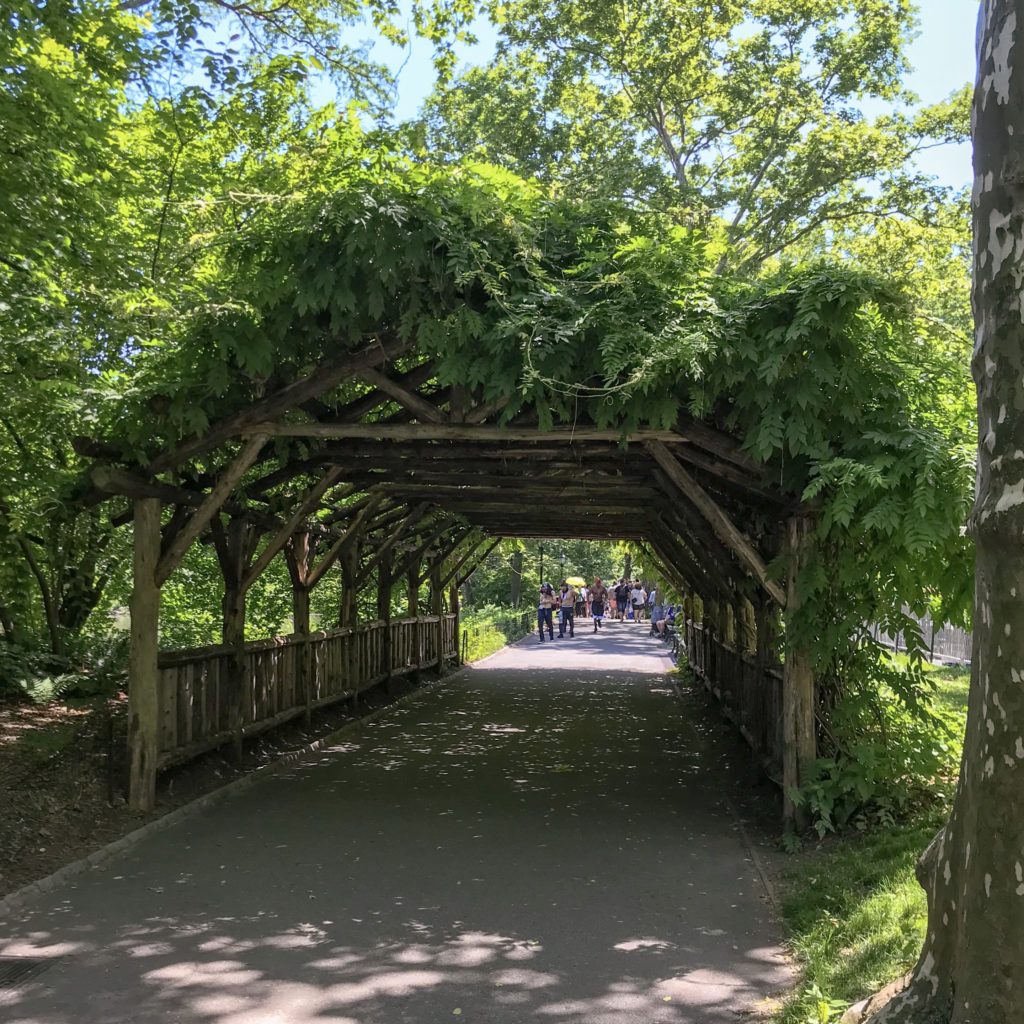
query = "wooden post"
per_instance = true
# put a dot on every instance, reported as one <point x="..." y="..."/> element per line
<point x="799" y="739"/>
<point x="748" y="627"/>
<point x="384" y="584"/>
<point x="437" y="608"/>
<point x="453" y="606"/>
<point x="349" y="611"/>
<point x="412" y="582"/>
<point x="233" y="632"/>
<point x="766" y="633"/>
<point x="711" y="606"/>
<point x="298" y="567"/>
<point x="143" y="676"/>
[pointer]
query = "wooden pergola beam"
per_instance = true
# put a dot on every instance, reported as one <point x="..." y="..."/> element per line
<point x="463" y="558"/>
<point x="412" y="557"/>
<point x="229" y="479"/>
<point x="354" y="411"/>
<point x="484" y="411"/>
<point x="415" y="403"/>
<point x="412" y="518"/>
<point x="325" y="377"/>
<point x="455" y="432"/>
<point x="351" y="533"/>
<point x="477" y="562"/>
<point x="723" y="526"/>
<point x="682" y="557"/>
<point x="309" y="501"/>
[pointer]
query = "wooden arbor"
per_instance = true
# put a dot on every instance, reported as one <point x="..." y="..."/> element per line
<point x="366" y="465"/>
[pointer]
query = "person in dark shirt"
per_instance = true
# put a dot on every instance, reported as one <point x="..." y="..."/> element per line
<point x="622" y="599"/>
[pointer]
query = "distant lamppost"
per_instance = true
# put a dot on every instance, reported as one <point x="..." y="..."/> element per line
<point x="561" y="566"/>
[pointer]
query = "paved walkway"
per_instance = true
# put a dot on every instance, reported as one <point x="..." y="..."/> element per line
<point x="534" y="842"/>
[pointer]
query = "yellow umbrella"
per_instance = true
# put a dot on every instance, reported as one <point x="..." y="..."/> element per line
<point x="576" y="581"/>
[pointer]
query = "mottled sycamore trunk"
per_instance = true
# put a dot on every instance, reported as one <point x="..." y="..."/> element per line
<point x="971" y="969"/>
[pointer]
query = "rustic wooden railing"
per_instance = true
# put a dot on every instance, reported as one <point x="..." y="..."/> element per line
<point x="750" y="692"/>
<point x="286" y="677"/>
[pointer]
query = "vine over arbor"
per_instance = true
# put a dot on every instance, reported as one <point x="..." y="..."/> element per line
<point x="400" y="372"/>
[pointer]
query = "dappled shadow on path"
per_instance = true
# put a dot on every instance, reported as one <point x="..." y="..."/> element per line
<point x="526" y="844"/>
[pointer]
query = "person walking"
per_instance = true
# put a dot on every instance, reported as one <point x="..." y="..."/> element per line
<point x="598" y="596"/>
<point x="638" y="598"/>
<point x="567" y="610"/>
<point x="545" y="608"/>
<point x="621" y="599"/>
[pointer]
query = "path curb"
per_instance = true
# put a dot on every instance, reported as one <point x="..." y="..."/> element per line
<point x="21" y="897"/>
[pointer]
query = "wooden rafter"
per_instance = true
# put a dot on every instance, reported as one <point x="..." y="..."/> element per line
<point x="415" y="403"/>
<point x="723" y="526"/>
<point x="209" y="508"/>
<point x="462" y="559"/>
<point x="412" y="518"/>
<point x="455" y="432"/>
<point x="325" y="377"/>
<point x="477" y="562"/>
<point x="308" y="502"/>
<point x="352" y="533"/>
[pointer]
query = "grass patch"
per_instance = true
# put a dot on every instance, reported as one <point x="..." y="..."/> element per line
<point x="487" y="630"/>
<point x="852" y="905"/>
<point x="856" y="917"/>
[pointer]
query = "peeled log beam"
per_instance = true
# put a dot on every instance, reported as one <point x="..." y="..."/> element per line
<point x="209" y="508"/>
<point x="325" y="377"/>
<point x="415" y="403"/>
<point x="345" y="540"/>
<point x="309" y="501"/>
<point x="455" y="432"/>
<point x="723" y="526"/>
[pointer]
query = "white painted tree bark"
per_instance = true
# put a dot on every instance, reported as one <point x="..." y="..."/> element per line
<point x="971" y="969"/>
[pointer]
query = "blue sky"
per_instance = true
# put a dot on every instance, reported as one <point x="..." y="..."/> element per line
<point x="942" y="57"/>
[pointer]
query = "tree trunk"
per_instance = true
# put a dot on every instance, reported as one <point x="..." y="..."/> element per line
<point x="627" y="567"/>
<point x="8" y="625"/>
<point x="46" y="595"/>
<point x="971" y="969"/>
<point x="517" y="578"/>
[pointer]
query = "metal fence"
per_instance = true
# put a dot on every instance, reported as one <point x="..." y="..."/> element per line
<point x="944" y="644"/>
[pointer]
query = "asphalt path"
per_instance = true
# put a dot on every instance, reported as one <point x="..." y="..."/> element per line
<point x="537" y="840"/>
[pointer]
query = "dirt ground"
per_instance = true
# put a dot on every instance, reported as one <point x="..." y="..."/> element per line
<point x="63" y="776"/>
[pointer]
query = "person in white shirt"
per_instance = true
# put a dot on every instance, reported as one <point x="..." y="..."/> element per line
<point x="638" y="599"/>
